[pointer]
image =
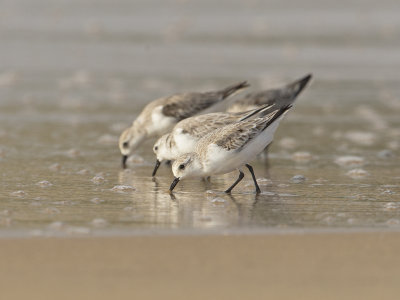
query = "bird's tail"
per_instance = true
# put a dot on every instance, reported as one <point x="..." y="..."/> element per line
<point x="234" y="89"/>
<point x="297" y="86"/>
<point x="259" y="112"/>
<point x="272" y="117"/>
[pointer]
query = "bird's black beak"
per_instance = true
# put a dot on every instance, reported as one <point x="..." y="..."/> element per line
<point x="124" y="159"/>
<point x="156" y="167"/>
<point x="173" y="184"/>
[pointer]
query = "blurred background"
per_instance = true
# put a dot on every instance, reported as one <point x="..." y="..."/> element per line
<point x="135" y="50"/>
<point x="75" y="73"/>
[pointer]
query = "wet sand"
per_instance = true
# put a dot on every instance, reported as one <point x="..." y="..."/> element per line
<point x="265" y="266"/>
<point x="74" y="75"/>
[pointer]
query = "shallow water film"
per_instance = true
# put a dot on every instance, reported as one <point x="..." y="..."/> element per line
<point x="71" y="81"/>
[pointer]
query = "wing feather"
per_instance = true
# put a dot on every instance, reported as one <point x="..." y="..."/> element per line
<point x="183" y="106"/>
<point x="280" y="96"/>
<point x="201" y="125"/>
<point x="235" y="136"/>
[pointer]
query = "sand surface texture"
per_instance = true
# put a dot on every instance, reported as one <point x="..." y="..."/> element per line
<point x="290" y="266"/>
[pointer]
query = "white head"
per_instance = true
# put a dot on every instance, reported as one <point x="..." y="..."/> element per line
<point x="162" y="148"/>
<point x="186" y="166"/>
<point x="129" y="140"/>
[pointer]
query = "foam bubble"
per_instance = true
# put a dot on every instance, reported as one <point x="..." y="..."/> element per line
<point x="97" y="200"/>
<point x="350" y="161"/>
<point x="44" y="184"/>
<point x="298" y="179"/>
<point x="123" y="188"/>
<point x="357" y="173"/>
<point x="391" y="206"/>
<point x="218" y="200"/>
<point x="97" y="179"/>
<point x="20" y="194"/>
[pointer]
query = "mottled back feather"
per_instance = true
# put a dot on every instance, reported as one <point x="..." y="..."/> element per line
<point x="237" y="135"/>
<point x="201" y="125"/>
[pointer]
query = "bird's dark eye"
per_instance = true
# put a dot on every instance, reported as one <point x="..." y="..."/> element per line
<point x="155" y="148"/>
<point x="125" y="144"/>
<point x="181" y="167"/>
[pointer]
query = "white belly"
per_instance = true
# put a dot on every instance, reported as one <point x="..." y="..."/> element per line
<point x="220" y="161"/>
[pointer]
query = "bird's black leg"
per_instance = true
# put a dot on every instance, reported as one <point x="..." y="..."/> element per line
<point x="254" y="178"/>
<point x="241" y="175"/>
<point x="156" y="168"/>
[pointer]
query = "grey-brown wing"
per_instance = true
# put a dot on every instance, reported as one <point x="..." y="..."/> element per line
<point x="236" y="136"/>
<point x="202" y="125"/>
<point x="182" y="106"/>
<point x="268" y="97"/>
<point x="281" y="97"/>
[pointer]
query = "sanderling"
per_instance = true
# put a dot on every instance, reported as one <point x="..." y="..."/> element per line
<point x="229" y="148"/>
<point x="185" y="135"/>
<point x="282" y="96"/>
<point x="159" y="116"/>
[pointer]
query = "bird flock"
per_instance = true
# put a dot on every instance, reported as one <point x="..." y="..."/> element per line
<point x="202" y="142"/>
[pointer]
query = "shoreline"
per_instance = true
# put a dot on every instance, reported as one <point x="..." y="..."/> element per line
<point x="195" y="232"/>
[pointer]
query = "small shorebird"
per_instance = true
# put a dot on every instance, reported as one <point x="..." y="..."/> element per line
<point x="159" y="116"/>
<point x="282" y="96"/>
<point x="185" y="135"/>
<point x="229" y="148"/>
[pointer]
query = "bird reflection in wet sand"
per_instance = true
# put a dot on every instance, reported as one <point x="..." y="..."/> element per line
<point x="200" y="207"/>
<point x="150" y="202"/>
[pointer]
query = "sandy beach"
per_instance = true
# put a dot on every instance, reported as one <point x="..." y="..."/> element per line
<point x="282" y="266"/>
